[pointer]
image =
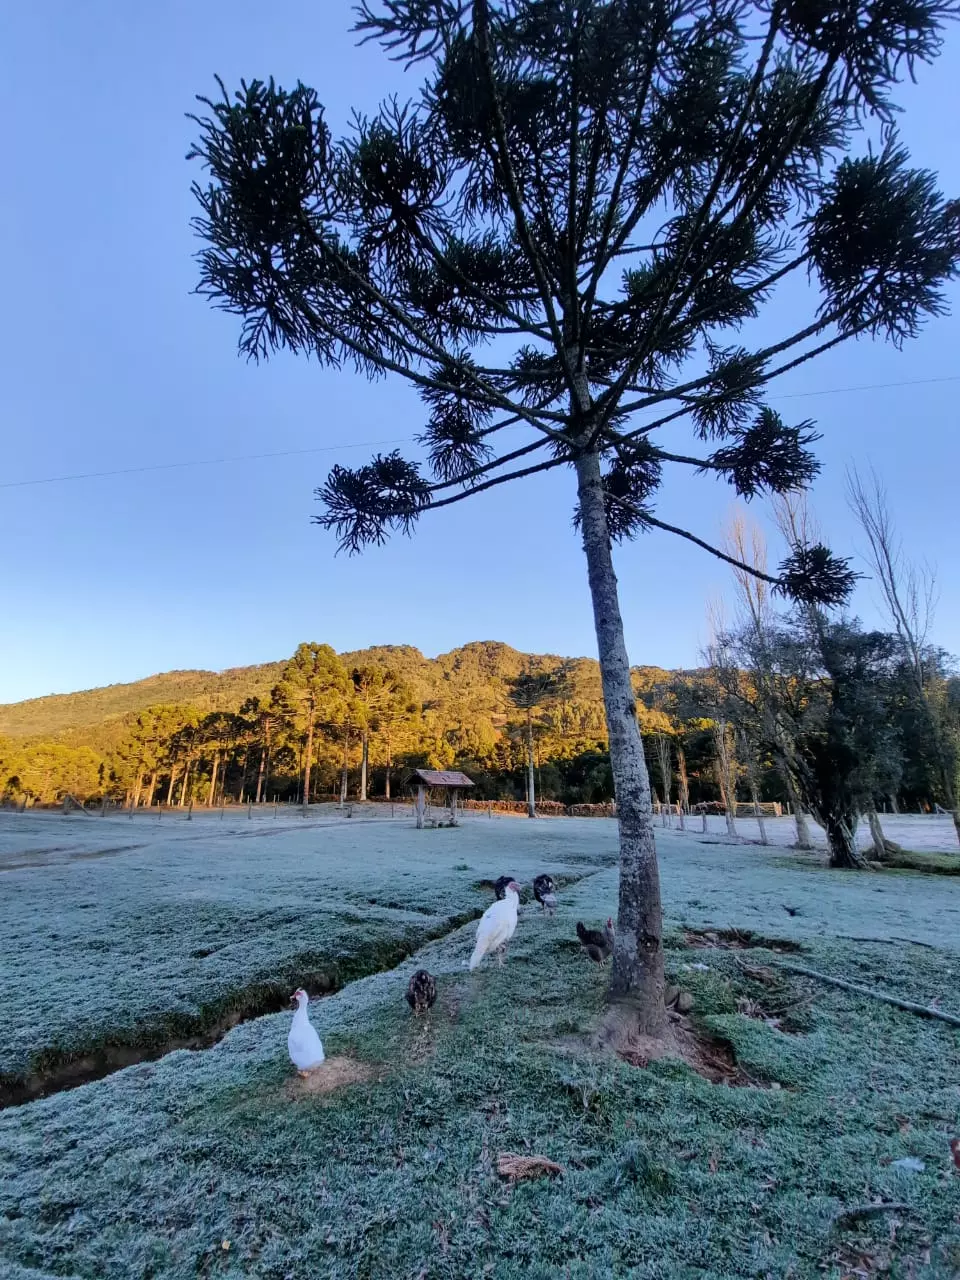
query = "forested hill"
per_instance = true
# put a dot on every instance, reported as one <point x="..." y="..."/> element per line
<point x="459" y="676"/>
<point x="58" y="713"/>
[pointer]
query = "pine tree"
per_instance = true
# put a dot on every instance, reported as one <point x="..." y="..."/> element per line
<point x="614" y="189"/>
<point x="314" y="682"/>
<point x="530" y="691"/>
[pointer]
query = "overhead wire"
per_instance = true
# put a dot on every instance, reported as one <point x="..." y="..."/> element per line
<point x="372" y="444"/>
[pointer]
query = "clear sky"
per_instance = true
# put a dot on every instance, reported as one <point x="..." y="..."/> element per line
<point x="110" y="363"/>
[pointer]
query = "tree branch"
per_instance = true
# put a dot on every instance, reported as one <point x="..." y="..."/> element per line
<point x="490" y="484"/>
<point x="501" y="157"/>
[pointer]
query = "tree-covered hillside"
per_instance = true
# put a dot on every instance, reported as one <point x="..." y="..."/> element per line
<point x="248" y="731"/>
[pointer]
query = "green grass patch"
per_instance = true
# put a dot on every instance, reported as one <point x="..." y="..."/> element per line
<point x="936" y="864"/>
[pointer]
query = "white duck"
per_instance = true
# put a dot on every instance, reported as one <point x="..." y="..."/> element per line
<point x="497" y="925"/>
<point x="306" y="1050"/>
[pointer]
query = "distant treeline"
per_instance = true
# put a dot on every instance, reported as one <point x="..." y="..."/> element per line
<point x="358" y="724"/>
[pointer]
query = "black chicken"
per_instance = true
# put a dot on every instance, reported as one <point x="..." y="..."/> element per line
<point x="597" y="945"/>
<point x="545" y="893"/>
<point x="500" y="886"/>
<point x="421" y="991"/>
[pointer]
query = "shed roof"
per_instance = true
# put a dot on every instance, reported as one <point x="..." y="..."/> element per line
<point x="443" y="778"/>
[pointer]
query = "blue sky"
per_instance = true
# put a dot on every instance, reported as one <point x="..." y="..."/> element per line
<point x="110" y="363"/>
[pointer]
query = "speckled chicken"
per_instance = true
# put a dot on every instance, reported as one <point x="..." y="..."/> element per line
<point x="422" y="991"/>
<point x="597" y="945"/>
<point x="545" y="893"/>
<point x="500" y="886"/>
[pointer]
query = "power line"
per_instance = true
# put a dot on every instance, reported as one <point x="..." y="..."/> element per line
<point x="202" y="462"/>
<point x="371" y="444"/>
<point x="871" y="386"/>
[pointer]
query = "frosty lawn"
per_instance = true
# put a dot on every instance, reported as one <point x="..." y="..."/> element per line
<point x="133" y="933"/>
<point x="212" y="1163"/>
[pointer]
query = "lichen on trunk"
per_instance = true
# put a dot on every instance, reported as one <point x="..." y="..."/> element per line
<point x="636" y="988"/>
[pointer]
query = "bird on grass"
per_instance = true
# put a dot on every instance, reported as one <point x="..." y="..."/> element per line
<point x="496" y="926"/>
<point x="597" y="945"/>
<point x="306" y="1050"/>
<point x="500" y="886"/>
<point x="545" y="893"/>
<point x="422" y="991"/>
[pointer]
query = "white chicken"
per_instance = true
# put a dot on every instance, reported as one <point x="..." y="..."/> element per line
<point x="306" y="1049"/>
<point x="497" y="925"/>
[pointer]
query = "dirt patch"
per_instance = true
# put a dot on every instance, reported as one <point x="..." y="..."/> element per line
<point x="710" y="1057"/>
<point x="738" y="940"/>
<point x="335" y="1073"/>
<point x="28" y="858"/>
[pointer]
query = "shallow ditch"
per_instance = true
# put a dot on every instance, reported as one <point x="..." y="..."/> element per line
<point x="62" y="1070"/>
<point x="738" y="940"/>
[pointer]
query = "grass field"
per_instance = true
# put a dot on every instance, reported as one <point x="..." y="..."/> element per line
<point x="220" y="1163"/>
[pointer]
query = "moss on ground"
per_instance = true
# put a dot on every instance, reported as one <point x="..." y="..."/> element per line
<point x="936" y="864"/>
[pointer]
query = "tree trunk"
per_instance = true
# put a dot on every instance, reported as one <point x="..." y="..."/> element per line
<point x="684" y="780"/>
<point x="637" y="981"/>
<point x="882" y="847"/>
<point x="171" y="784"/>
<point x="531" y="792"/>
<point x="185" y="785"/>
<point x="726" y="777"/>
<point x="950" y="795"/>
<point x="265" y="763"/>
<point x="264" y="752"/>
<point x="758" y="812"/>
<point x="803" y="827"/>
<point x="243" y="776"/>
<point x="363" y="763"/>
<point x="135" y="801"/>
<point x="386" y="784"/>
<point x="308" y="760"/>
<point x="842" y="839"/>
<point x="344" y="777"/>
<point x="213" y="779"/>
<point x="799" y="814"/>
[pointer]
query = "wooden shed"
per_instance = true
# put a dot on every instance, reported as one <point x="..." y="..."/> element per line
<point x="451" y="783"/>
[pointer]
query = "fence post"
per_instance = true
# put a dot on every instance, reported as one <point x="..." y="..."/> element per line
<point x="190" y="812"/>
<point x="704" y="818"/>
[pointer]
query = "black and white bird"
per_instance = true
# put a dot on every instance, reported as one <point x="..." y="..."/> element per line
<point x="597" y="945"/>
<point x="500" y="886"/>
<point x="545" y="893"/>
<point x="422" y="991"/>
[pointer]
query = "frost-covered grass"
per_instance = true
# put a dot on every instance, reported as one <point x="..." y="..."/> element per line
<point x="120" y="932"/>
<point x="929" y="833"/>
<point x="155" y="1170"/>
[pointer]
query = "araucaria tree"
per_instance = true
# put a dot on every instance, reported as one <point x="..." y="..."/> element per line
<point x="566" y="236"/>
<point x="529" y="691"/>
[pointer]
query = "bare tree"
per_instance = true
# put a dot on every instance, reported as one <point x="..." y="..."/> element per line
<point x="909" y="593"/>
<point x="726" y="765"/>
<point x="751" y="767"/>
<point x="662" y="745"/>
<point x="746" y="543"/>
